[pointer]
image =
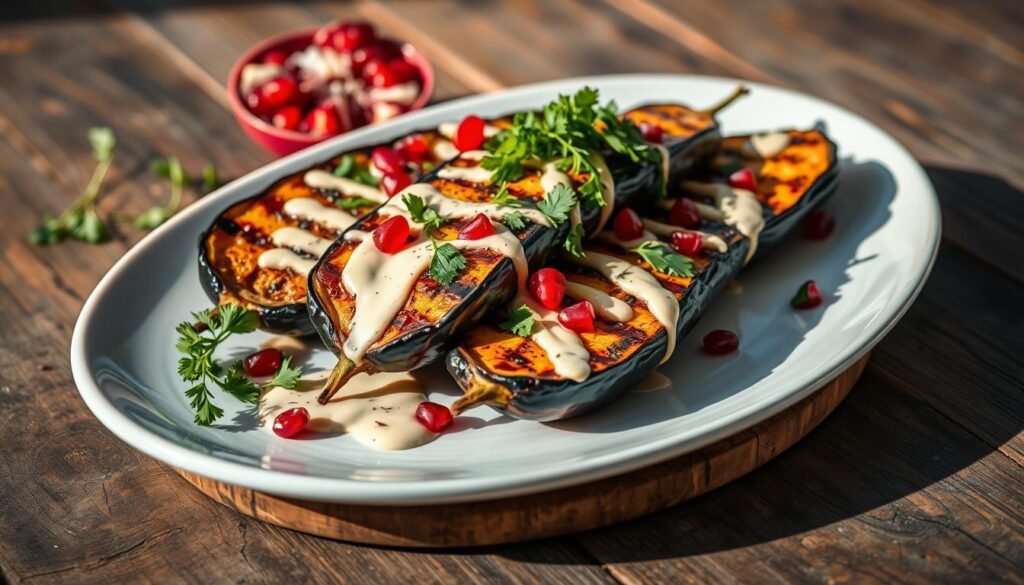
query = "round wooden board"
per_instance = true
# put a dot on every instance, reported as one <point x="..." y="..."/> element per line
<point x="572" y="509"/>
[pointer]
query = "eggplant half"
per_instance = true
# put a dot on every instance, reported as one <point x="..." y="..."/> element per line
<point x="514" y="374"/>
<point x="435" y="315"/>
<point x="229" y="250"/>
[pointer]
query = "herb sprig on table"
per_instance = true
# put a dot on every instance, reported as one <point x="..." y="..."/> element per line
<point x="197" y="364"/>
<point x="82" y="222"/>
<point x="664" y="260"/>
<point x="570" y="130"/>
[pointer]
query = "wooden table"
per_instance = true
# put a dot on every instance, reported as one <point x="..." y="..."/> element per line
<point x="916" y="477"/>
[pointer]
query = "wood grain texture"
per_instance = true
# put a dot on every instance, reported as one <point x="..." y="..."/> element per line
<point x="916" y="478"/>
<point x="556" y="513"/>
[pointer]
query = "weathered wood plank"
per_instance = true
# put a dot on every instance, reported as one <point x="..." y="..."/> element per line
<point x="944" y="96"/>
<point x="886" y="490"/>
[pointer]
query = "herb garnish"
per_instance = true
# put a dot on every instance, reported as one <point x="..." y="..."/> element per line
<point x="502" y="197"/>
<point x="446" y="263"/>
<point x="80" y="220"/>
<point x="519" y="322"/>
<point x="199" y="366"/>
<point x="170" y="169"/>
<point x="515" y="220"/>
<point x="570" y="130"/>
<point x="422" y="213"/>
<point x="354" y="202"/>
<point x="573" y="243"/>
<point x="347" y="168"/>
<point x="663" y="260"/>
<point x="557" y="204"/>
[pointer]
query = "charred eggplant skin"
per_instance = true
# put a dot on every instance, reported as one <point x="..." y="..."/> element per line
<point x="287" y="319"/>
<point x="550" y="400"/>
<point x="429" y="343"/>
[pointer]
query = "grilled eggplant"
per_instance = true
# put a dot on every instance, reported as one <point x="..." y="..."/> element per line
<point x="434" y="314"/>
<point x="515" y="375"/>
<point x="230" y="249"/>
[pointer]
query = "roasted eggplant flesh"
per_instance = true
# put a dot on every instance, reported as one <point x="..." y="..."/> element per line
<point x="435" y="313"/>
<point x="515" y="375"/>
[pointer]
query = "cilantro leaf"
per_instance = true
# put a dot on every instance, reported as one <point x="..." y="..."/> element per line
<point x="515" y="220"/>
<point x="663" y="260"/>
<point x="557" y="204"/>
<point x="519" y="322"/>
<point x="286" y="376"/>
<point x="237" y="384"/>
<point x="573" y="243"/>
<point x="422" y="213"/>
<point x="90" y="228"/>
<point x="446" y="263"/>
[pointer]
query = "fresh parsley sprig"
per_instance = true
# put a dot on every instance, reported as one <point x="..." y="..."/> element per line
<point x="571" y="130"/>
<point x="663" y="260"/>
<point x="198" y="365"/>
<point x="573" y="243"/>
<point x="446" y="263"/>
<point x="80" y="220"/>
<point x="422" y="213"/>
<point x="503" y="197"/>
<point x="354" y="202"/>
<point x="515" y="220"/>
<point x="519" y="322"/>
<point x="557" y="204"/>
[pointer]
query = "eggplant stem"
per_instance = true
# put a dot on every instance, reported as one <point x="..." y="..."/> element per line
<point x="482" y="392"/>
<point x="735" y="95"/>
<point x="199" y="326"/>
<point x="342" y="373"/>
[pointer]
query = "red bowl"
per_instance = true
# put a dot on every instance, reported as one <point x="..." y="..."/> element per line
<point x="281" y="142"/>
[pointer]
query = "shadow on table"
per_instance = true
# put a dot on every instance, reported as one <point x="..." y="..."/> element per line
<point x="877" y="448"/>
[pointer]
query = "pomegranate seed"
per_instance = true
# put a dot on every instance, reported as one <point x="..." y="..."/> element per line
<point x="394" y="183"/>
<point x="721" y="342"/>
<point x="391" y="235"/>
<point x="470" y="134"/>
<point x="345" y="36"/>
<point x="291" y="422"/>
<point x="743" y="179"/>
<point x="387" y="160"/>
<point x="688" y="243"/>
<point x="684" y="214"/>
<point x="275" y="57"/>
<point x="435" y="417"/>
<point x="383" y="75"/>
<point x="257" y="104"/>
<point x="628" y="225"/>
<point x="578" y="317"/>
<point x="323" y="120"/>
<point x="807" y="296"/>
<point x="287" y="118"/>
<point x="381" y="51"/>
<point x="404" y="70"/>
<point x="479" y="227"/>
<point x="279" y="92"/>
<point x="548" y="287"/>
<point x="819" y="225"/>
<point x="264" y="362"/>
<point x="652" y="132"/>
<point x="413" y="148"/>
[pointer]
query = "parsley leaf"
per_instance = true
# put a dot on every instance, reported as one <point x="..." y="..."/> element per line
<point x="80" y="220"/>
<point x="663" y="260"/>
<point x="446" y="263"/>
<point x="502" y="197"/>
<point x="286" y="376"/>
<point x="515" y="220"/>
<point x="198" y="365"/>
<point x="354" y="202"/>
<point x="557" y="204"/>
<point x="210" y="179"/>
<point x="519" y="322"/>
<point x="573" y="243"/>
<point x="172" y="170"/>
<point x="422" y="213"/>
